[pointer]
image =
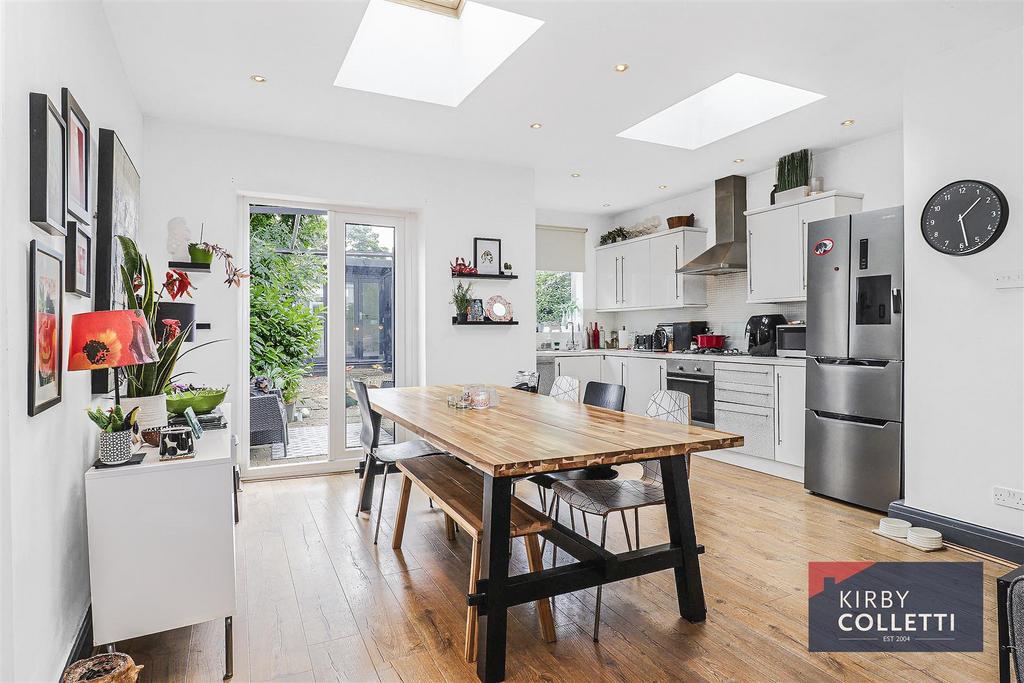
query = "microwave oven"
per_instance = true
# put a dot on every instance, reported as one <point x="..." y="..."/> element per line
<point x="791" y="340"/>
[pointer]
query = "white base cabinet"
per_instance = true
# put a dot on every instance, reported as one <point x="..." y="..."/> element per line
<point x="777" y="244"/>
<point x="790" y="382"/>
<point x="584" y="368"/>
<point x="644" y="376"/>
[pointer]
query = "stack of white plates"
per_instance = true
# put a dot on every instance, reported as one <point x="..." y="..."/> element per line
<point x="890" y="526"/>
<point x="924" y="537"/>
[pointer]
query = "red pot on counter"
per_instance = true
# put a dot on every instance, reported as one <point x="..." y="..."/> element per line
<point x="710" y="341"/>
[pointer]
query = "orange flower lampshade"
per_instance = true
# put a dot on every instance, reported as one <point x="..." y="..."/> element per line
<point x="110" y="339"/>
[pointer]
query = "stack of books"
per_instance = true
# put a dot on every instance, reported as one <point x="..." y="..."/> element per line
<point x="212" y="420"/>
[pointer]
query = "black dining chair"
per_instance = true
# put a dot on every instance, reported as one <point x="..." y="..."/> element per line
<point x="602" y="395"/>
<point x="388" y="454"/>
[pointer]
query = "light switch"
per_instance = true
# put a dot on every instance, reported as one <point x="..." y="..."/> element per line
<point x="1009" y="279"/>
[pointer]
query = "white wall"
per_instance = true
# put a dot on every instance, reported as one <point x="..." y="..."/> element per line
<point x="964" y="414"/>
<point x="45" y="579"/>
<point x="873" y="167"/>
<point x="199" y="173"/>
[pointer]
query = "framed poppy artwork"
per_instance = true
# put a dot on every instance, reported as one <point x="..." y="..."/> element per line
<point x="45" y="328"/>
<point x="79" y="158"/>
<point x="78" y="266"/>
<point x="47" y="165"/>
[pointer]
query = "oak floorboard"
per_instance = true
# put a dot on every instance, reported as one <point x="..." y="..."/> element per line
<point x="308" y="572"/>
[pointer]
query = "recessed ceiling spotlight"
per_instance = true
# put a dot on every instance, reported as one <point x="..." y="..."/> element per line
<point x="662" y="187"/>
<point x="622" y="68"/>
<point x="535" y="126"/>
<point x="258" y="78"/>
<point x="738" y="161"/>
<point x="576" y="174"/>
<point x="847" y="123"/>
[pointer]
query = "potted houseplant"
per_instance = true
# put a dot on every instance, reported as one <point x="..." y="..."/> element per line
<point x="203" y="252"/>
<point x="462" y="295"/>
<point x="116" y="432"/>
<point x="793" y="176"/>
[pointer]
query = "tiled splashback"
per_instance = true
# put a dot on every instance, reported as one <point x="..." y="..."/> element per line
<point x="727" y="311"/>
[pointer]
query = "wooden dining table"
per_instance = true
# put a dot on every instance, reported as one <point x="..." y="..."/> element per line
<point x="529" y="434"/>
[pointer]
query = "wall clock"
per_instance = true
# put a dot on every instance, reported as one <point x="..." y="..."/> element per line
<point x="964" y="217"/>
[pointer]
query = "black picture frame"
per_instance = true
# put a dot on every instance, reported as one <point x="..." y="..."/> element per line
<point x="118" y="209"/>
<point x="46" y="316"/>
<point x="78" y="163"/>
<point x="47" y="204"/>
<point x="78" y="250"/>
<point x="487" y="265"/>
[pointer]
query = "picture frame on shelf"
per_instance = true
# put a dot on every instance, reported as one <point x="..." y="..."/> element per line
<point x="476" y="310"/>
<point x="78" y="259"/>
<point x="79" y="158"/>
<point x="487" y="255"/>
<point x="45" y="328"/>
<point x="47" y="165"/>
<point x="118" y="210"/>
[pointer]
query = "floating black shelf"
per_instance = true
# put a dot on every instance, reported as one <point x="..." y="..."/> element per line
<point x="204" y="326"/>
<point x="189" y="267"/>
<point x="455" y="321"/>
<point x="484" y="276"/>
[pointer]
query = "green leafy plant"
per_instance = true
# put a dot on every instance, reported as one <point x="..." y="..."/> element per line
<point x="554" y="297"/>
<point x="462" y="295"/>
<point x="113" y="419"/>
<point x="793" y="170"/>
<point x="140" y="292"/>
<point x="615" y="235"/>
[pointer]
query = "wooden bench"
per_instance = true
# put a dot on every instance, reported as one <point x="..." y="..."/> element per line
<point x="458" y="491"/>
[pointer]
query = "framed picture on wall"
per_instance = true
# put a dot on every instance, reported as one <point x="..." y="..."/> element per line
<point x="45" y="328"/>
<point x="476" y="310"/>
<point x="79" y="158"/>
<point x="487" y="255"/>
<point x="47" y="165"/>
<point x="118" y="208"/>
<point x="78" y="264"/>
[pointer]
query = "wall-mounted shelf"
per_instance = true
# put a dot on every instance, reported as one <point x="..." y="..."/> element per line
<point x="455" y="321"/>
<point x="204" y="326"/>
<point x="189" y="267"/>
<point x="484" y="276"/>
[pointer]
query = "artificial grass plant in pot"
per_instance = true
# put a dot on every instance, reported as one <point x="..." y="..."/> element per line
<point x="793" y="176"/>
<point x="462" y="296"/>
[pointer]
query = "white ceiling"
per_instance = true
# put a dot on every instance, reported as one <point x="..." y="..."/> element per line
<point x="192" y="61"/>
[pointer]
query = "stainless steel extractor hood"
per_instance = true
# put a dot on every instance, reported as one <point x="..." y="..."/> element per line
<point x="729" y="255"/>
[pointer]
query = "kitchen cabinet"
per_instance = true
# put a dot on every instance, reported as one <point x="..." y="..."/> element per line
<point x="607" y="278"/>
<point x="643" y="377"/>
<point x="789" y="414"/>
<point x="745" y="404"/>
<point x="777" y="244"/>
<point x="669" y="253"/>
<point x="641" y="273"/>
<point x="584" y="368"/>
<point x="613" y="370"/>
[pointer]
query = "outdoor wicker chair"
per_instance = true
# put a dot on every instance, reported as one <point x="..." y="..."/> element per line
<point x="267" y="422"/>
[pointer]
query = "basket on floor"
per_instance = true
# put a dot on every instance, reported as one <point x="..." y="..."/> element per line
<point x="113" y="667"/>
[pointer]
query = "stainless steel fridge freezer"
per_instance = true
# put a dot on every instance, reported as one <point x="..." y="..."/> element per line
<point x="854" y="401"/>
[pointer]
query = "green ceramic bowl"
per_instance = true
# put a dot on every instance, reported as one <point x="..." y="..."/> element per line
<point x="200" y="400"/>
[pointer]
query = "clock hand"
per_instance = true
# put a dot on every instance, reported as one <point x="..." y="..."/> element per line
<point x="969" y="208"/>
<point x="960" y="218"/>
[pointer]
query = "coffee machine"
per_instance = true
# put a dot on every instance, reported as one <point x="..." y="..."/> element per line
<point x="761" y="334"/>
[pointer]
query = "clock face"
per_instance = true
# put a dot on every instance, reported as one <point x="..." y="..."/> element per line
<point x="964" y="217"/>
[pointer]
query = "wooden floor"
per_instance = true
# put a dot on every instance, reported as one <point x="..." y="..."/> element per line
<point x="317" y="601"/>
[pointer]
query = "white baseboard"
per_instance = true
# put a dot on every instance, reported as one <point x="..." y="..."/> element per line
<point x="750" y="462"/>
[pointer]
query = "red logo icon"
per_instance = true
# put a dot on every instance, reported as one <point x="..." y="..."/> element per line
<point x="823" y="246"/>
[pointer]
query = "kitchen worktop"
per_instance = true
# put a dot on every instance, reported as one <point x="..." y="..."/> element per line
<point x="662" y="355"/>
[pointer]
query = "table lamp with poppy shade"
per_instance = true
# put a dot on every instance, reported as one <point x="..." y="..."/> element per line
<point x="110" y="339"/>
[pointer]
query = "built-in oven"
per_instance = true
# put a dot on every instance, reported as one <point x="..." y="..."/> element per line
<point x="695" y="378"/>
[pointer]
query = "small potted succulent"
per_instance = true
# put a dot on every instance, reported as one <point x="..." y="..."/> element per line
<point x="462" y="296"/>
<point x="117" y="428"/>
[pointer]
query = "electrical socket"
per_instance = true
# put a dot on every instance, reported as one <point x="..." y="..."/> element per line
<point x="1010" y="498"/>
<point x="1009" y="279"/>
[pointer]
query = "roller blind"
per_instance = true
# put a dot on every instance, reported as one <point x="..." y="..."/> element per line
<point x="561" y="249"/>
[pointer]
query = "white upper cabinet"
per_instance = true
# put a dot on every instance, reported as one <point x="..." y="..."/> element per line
<point x="641" y="273"/>
<point x="777" y="244"/>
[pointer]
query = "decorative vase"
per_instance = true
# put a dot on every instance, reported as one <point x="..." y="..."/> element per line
<point x="197" y="254"/>
<point x="792" y="194"/>
<point x="182" y="311"/>
<point x="115" y="447"/>
<point x="152" y="410"/>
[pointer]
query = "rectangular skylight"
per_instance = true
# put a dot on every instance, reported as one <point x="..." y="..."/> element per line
<point x="408" y="52"/>
<point x="720" y="110"/>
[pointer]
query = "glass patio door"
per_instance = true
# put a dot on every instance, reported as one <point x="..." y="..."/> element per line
<point x="366" y="281"/>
